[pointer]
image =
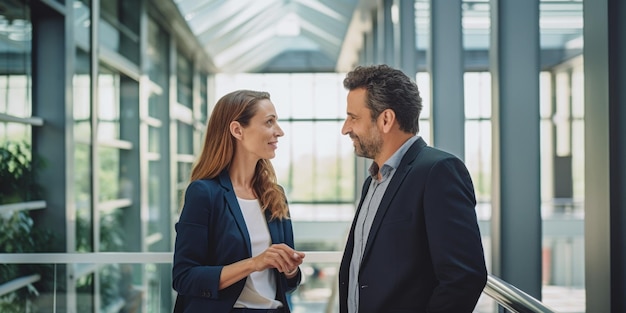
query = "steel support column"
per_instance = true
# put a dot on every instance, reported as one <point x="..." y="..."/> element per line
<point x="445" y="62"/>
<point x="605" y="155"/>
<point x="516" y="199"/>
<point x="385" y="33"/>
<point x="407" y="59"/>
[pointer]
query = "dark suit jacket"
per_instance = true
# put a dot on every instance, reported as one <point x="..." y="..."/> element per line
<point x="424" y="250"/>
<point x="211" y="233"/>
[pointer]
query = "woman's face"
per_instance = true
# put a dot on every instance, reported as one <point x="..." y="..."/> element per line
<point x="260" y="137"/>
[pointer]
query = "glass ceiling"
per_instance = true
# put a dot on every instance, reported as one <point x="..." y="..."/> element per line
<point x="255" y="36"/>
<point x="251" y="36"/>
<point x="308" y="35"/>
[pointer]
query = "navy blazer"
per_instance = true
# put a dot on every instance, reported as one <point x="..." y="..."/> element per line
<point x="211" y="233"/>
<point x="424" y="250"/>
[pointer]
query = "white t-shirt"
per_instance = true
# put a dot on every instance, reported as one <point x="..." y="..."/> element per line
<point x="260" y="289"/>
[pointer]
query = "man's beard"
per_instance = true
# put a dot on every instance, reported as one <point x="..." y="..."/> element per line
<point x="368" y="147"/>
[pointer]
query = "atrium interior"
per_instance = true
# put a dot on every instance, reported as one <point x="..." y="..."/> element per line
<point x="104" y="105"/>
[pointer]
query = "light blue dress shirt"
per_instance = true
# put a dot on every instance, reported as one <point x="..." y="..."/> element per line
<point x="364" y="221"/>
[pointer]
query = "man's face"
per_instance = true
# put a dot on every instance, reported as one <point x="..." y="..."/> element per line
<point x="360" y="127"/>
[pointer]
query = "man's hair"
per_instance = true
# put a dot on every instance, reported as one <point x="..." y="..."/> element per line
<point x="388" y="88"/>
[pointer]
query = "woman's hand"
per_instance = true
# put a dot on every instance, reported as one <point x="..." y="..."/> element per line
<point x="279" y="256"/>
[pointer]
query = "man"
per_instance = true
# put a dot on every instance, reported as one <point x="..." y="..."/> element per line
<point x="414" y="244"/>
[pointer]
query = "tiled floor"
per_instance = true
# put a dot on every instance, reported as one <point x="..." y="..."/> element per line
<point x="563" y="299"/>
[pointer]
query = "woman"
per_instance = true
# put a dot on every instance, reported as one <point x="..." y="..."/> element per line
<point x="234" y="239"/>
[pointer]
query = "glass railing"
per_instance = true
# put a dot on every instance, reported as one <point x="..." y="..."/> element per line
<point x="141" y="282"/>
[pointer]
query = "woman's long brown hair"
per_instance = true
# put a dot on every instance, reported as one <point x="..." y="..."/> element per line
<point x="219" y="149"/>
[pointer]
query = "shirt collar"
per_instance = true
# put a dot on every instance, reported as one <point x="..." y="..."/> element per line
<point x="393" y="161"/>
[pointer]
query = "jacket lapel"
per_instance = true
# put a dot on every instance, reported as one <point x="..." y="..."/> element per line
<point x="272" y="226"/>
<point x="398" y="177"/>
<point x="347" y="252"/>
<point x="235" y="210"/>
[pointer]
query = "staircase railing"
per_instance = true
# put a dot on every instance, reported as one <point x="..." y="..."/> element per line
<point x="513" y="299"/>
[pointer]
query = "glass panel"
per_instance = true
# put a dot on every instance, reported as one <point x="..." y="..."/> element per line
<point x="158" y="187"/>
<point x="477" y="91"/>
<point x="477" y="99"/>
<point x="158" y="222"/>
<point x="578" y="93"/>
<point x="302" y="163"/>
<point x="562" y="155"/>
<point x="276" y="85"/>
<point x="476" y="31"/>
<point x="120" y="285"/>
<point x="423" y="84"/>
<point x="184" y="172"/>
<point x="478" y="161"/>
<point x="157" y="55"/>
<point x="84" y="293"/>
<point x="313" y="142"/>
<point x="82" y="23"/>
<point x="109" y="174"/>
<point x="184" y="79"/>
<point x="129" y="120"/>
<point x="154" y="137"/>
<point x="545" y="95"/>
<point x="578" y="135"/>
<point x="314" y="294"/>
<point x="477" y="95"/>
<point x="15" y="60"/>
<point x="19" y="169"/>
<point x="302" y="95"/>
<point x="22" y="284"/>
<point x="327" y="92"/>
<point x="83" y="197"/>
<point x="334" y="162"/>
<point x="17" y="95"/>
<point x="121" y="288"/>
<point x="546" y="139"/>
<point x="15" y="132"/>
<point x="157" y="105"/>
<point x="185" y="138"/>
<point x="425" y="132"/>
<point x="119" y="27"/>
<point x="233" y="82"/>
<point x="109" y="104"/>
<point x="422" y="28"/>
<point x="82" y="97"/>
<point x="562" y="115"/>
<point x="578" y="165"/>
<point x="204" y="107"/>
<point x="325" y="162"/>
<point x="112" y="235"/>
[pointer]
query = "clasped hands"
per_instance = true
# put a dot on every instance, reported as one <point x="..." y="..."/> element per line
<point x="280" y="256"/>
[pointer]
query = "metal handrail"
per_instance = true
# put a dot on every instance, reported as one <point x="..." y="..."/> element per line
<point x="512" y="298"/>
